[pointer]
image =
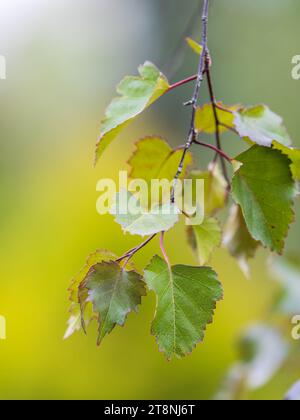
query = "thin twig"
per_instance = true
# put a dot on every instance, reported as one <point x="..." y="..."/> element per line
<point x="218" y="151"/>
<point x="192" y="131"/>
<point x="178" y="148"/>
<point x="216" y="118"/>
<point x="133" y="251"/>
<point x="229" y="128"/>
<point x="213" y="101"/>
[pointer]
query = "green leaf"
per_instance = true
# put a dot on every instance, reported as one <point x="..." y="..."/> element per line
<point x="195" y="46"/>
<point x="137" y="221"/>
<point x="238" y="240"/>
<point x="114" y="293"/>
<point x="101" y="255"/>
<point x="136" y="94"/>
<point x="293" y="155"/>
<point x="205" y="120"/>
<point x="205" y="238"/>
<point x="186" y="300"/>
<point x="83" y="316"/>
<point x="261" y="126"/>
<point x="215" y="189"/>
<point x="155" y="159"/>
<point x="264" y="188"/>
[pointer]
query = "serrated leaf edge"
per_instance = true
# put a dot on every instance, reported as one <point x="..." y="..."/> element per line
<point x="210" y="322"/>
<point x="97" y="314"/>
<point x="292" y="217"/>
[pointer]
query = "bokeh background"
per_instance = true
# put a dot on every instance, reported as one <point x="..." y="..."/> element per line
<point x="64" y="59"/>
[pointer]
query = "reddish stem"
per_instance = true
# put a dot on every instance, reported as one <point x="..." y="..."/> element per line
<point x="221" y="108"/>
<point x="163" y="250"/>
<point x="211" y="146"/>
<point x="182" y="82"/>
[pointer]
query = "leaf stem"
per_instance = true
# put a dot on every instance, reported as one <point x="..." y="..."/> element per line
<point x="222" y="108"/>
<point x="163" y="250"/>
<point x="182" y="82"/>
<point x="218" y="151"/>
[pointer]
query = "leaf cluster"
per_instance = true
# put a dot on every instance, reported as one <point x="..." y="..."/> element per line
<point x="257" y="205"/>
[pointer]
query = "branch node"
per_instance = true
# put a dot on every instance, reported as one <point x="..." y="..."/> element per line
<point x="189" y="103"/>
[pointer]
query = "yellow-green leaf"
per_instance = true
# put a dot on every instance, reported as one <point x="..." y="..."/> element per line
<point x="75" y="319"/>
<point x="83" y="316"/>
<point x="205" y="119"/>
<point x="215" y="189"/>
<point x="204" y="239"/>
<point x="195" y="46"/>
<point x="155" y="159"/>
<point x="136" y="94"/>
<point x="101" y="255"/>
<point x="293" y="155"/>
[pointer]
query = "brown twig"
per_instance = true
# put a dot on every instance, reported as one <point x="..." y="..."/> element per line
<point x="192" y="134"/>
<point x="201" y="67"/>
<point x="133" y="251"/>
<point x="216" y="118"/>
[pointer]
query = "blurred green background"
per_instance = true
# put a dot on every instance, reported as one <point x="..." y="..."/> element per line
<point x="64" y="59"/>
